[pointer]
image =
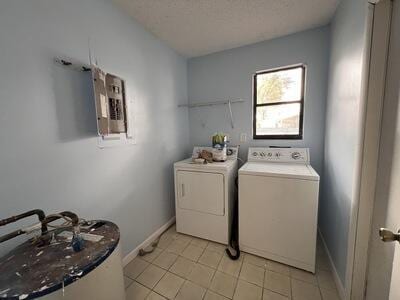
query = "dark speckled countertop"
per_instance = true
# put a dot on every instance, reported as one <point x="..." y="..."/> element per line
<point x="29" y="271"/>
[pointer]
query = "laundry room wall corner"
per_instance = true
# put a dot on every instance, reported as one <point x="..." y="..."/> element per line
<point x="342" y="129"/>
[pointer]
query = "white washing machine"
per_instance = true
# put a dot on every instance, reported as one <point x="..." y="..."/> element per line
<point x="278" y="206"/>
<point x="204" y="195"/>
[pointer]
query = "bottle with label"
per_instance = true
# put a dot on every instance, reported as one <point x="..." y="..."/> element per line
<point x="219" y="141"/>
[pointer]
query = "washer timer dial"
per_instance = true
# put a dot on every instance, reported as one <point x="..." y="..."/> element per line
<point x="296" y="155"/>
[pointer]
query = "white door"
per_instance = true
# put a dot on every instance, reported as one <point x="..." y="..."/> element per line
<point x="201" y="191"/>
<point x="384" y="262"/>
<point x="393" y="92"/>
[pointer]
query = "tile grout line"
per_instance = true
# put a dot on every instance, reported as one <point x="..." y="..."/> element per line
<point x="202" y="265"/>
<point x="155" y="293"/>
<point x="209" y="265"/>
<point x="129" y="283"/>
<point x="190" y="271"/>
<point x="281" y="274"/>
<point x="237" y="283"/>
<point x="151" y="289"/>
<point x="177" y="293"/>
<point x="234" y="290"/>
<point x="263" y="283"/>
<point x="140" y="273"/>
<point x="216" y="270"/>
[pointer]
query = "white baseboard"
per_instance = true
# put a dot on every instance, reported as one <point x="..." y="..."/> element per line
<point x="338" y="282"/>
<point x="131" y="255"/>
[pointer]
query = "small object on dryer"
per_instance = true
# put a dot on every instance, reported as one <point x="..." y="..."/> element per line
<point x="219" y="153"/>
<point x="219" y="139"/>
<point x="199" y="160"/>
<point x="207" y="155"/>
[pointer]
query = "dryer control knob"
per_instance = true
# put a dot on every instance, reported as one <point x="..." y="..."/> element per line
<point x="296" y="155"/>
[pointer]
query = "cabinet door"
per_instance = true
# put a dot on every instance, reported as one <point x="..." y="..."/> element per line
<point x="202" y="192"/>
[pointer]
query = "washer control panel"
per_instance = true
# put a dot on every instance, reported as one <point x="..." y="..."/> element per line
<point x="284" y="155"/>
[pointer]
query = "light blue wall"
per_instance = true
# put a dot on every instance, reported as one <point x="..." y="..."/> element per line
<point x="49" y="156"/>
<point x="348" y="41"/>
<point x="48" y="151"/>
<point x="228" y="74"/>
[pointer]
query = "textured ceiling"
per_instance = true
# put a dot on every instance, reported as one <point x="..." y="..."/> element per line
<point x="199" y="27"/>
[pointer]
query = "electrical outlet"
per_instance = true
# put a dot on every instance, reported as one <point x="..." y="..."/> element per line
<point x="243" y="138"/>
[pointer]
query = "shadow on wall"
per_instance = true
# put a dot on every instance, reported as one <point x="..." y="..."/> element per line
<point x="328" y="222"/>
<point x="75" y="106"/>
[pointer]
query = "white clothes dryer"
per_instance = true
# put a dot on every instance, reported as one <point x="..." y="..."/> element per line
<point x="204" y="195"/>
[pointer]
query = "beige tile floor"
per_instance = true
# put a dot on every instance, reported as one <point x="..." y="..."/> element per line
<point x="184" y="267"/>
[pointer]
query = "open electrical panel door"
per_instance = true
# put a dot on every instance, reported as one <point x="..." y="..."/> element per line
<point x="111" y="108"/>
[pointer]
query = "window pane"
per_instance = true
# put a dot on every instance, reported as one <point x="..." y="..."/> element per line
<point x="281" y="119"/>
<point x="279" y="86"/>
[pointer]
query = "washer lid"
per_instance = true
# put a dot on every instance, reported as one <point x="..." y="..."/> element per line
<point x="286" y="170"/>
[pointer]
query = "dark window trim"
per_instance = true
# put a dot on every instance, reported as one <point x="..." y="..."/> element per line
<point x="301" y="101"/>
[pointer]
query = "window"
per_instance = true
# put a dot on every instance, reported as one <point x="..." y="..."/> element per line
<point x="279" y="103"/>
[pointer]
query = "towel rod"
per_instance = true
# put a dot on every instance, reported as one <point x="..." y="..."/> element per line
<point x="222" y="102"/>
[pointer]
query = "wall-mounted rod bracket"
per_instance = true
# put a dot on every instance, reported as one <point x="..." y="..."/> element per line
<point x="73" y="65"/>
<point x="230" y="113"/>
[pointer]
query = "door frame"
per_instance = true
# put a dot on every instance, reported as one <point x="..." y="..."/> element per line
<point x="375" y="62"/>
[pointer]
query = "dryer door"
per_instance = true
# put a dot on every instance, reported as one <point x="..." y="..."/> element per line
<point x="201" y="191"/>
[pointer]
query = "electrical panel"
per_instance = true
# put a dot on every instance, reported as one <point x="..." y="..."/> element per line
<point x="111" y="108"/>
